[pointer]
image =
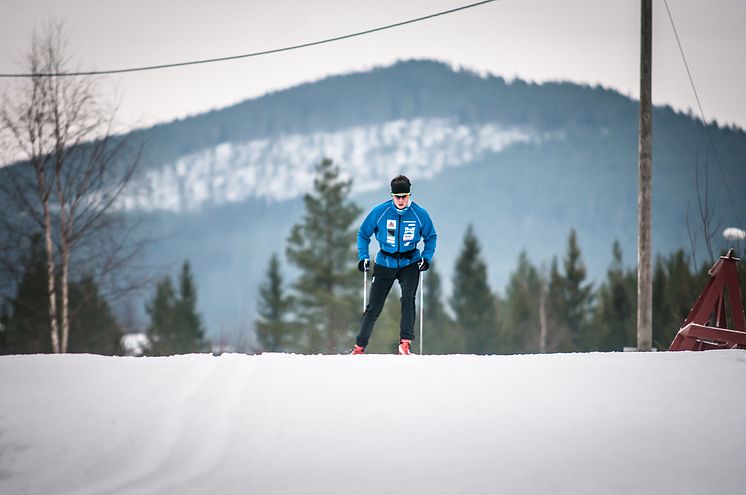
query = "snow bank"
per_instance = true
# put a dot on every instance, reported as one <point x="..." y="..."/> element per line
<point x="614" y="423"/>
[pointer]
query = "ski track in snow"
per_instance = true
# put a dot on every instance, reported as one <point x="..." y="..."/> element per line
<point x="205" y="406"/>
<point x="613" y="423"/>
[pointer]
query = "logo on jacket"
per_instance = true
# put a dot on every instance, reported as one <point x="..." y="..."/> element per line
<point x="391" y="232"/>
<point x="409" y="232"/>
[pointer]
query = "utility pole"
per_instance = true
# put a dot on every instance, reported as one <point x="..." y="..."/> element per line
<point x="645" y="189"/>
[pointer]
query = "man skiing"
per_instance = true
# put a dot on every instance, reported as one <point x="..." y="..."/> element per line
<point x="398" y="225"/>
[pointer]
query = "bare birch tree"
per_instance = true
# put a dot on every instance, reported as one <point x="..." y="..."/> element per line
<point x="706" y="226"/>
<point x="71" y="170"/>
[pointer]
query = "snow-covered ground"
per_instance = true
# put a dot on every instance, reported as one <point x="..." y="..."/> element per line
<point x="620" y="423"/>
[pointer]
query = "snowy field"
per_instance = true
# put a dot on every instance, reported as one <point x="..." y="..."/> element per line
<point x="620" y="423"/>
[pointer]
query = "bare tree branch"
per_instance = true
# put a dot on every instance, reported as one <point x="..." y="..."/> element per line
<point x="62" y="132"/>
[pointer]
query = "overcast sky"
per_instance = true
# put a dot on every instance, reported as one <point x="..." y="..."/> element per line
<point x="585" y="41"/>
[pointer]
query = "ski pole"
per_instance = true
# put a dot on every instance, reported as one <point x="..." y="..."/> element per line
<point x="422" y="305"/>
<point x="365" y="288"/>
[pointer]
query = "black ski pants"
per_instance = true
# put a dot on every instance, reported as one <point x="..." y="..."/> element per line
<point x="383" y="279"/>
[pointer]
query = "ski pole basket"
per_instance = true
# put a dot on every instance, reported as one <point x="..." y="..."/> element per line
<point x="706" y="327"/>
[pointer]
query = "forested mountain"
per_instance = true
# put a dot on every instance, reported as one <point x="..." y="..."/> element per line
<point x="523" y="163"/>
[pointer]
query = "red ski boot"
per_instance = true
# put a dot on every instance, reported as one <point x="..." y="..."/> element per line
<point x="404" y="346"/>
<point x="358" y="350"/>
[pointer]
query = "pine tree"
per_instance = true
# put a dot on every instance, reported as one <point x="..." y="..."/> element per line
<point x="322" y="247"/>
<point x="615" y="315"/>
<point x="472" y="301"/>
<point x="520" y="330"/>
<point x="441" y="335"/>
<point x="273" y="327"/>
<point x="175" y="327"/>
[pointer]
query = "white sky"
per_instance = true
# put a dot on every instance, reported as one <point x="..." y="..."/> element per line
<point x="586" y="41"/>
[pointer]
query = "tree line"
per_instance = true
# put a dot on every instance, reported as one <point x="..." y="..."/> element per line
<point x="543" y="308"/>
<point x="65" y="250"/>
<point x="552" y="308"/>
<point x="174" y="326"/>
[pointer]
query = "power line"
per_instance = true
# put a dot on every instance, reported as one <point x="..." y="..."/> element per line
<point x="702" y="114"/>
<point x="254" y="54"/>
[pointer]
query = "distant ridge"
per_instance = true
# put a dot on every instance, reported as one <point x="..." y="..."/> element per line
<point x="524" y="163"/>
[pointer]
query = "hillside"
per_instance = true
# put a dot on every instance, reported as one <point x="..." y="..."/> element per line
<point x="619" y="423"/>
<point x="524" y="163"/>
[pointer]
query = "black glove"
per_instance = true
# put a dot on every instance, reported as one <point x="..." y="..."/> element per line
<point x="423" y="265"/>
<point x="363" y="265"/>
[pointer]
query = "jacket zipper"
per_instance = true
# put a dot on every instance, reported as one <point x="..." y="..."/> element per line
<point x="398" y="242"/>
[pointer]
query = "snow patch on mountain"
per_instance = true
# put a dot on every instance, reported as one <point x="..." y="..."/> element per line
<point x="283" y="168"/>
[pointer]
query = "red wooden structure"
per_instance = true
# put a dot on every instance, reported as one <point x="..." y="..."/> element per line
<point x="706" y="327"/>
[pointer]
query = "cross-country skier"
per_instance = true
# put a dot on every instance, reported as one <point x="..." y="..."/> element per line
<point x="398" y="225"/>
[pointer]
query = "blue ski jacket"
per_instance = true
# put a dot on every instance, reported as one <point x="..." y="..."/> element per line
<point x="397" y="232"/>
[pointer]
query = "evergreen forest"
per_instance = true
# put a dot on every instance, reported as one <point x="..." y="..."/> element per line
<point x="543" y="308"/>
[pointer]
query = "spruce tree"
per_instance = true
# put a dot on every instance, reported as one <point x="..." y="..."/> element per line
<point x="93" y="328"/>
<point x="175" y="327"/>
<point x="273" y="327"/>
<point x="520" y="329"/>
<point x="579" y="297"/>
<point x="570" y="299"/>
<point x="615" y="315"/>
<point x="472" y="301"/>
<point x="322" y="247"/>
<point x="188" y="319"/>
<point x="27" y="316"/>
<point x="559" y="338"/>
<point x="661" y="306"/>
<point x="162" y="329"/>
